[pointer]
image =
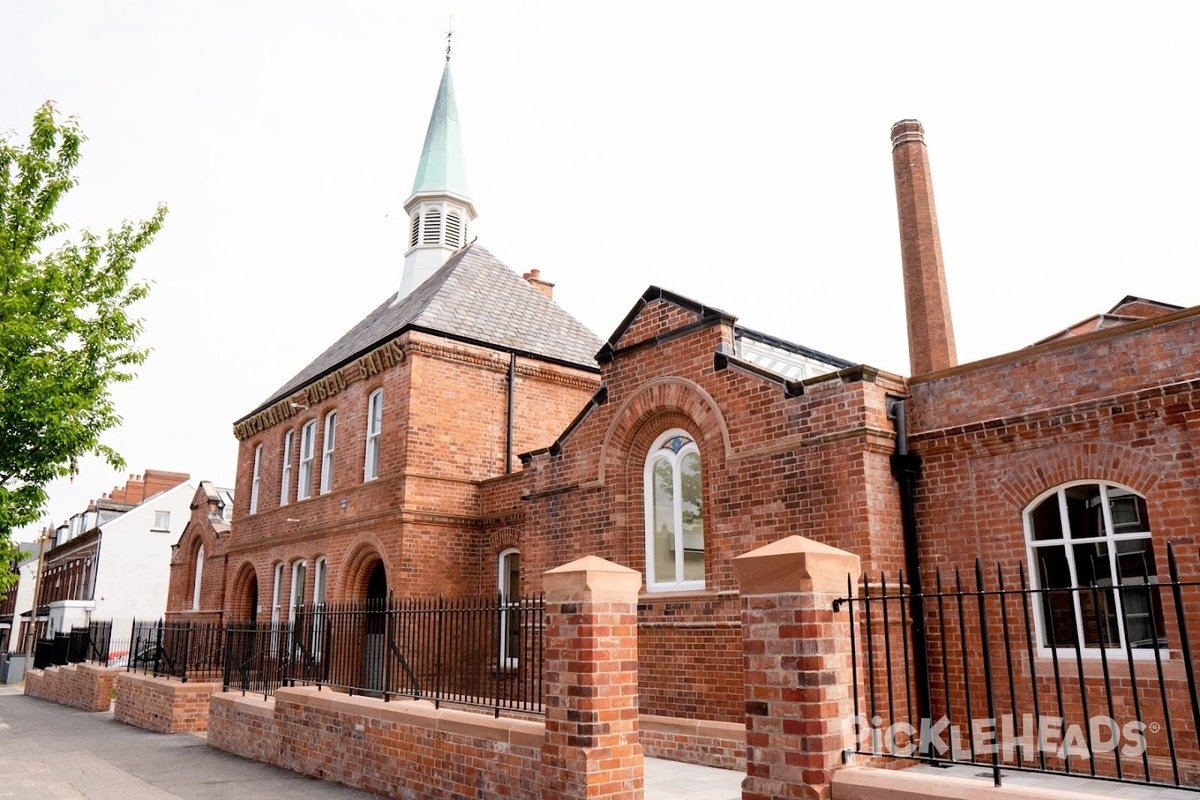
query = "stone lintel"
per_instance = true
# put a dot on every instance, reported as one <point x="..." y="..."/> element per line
<point x="794" y="565"/>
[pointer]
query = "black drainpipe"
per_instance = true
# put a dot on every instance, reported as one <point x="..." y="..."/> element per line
<point x="906" y="467"/>
<point x="508" y="438"/>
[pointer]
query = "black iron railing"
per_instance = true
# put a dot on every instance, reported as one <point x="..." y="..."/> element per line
<point x="91" y="643"/>
<point x="481" y="651"/>
<point x="1097" y="681"/>
<point x="184" y="650"/>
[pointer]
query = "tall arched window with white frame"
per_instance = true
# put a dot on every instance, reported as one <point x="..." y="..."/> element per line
<point x="255" y="479"/>
<point x="374" y="428"/>
<point x="674" y="514"/>
<point x="285" y="481"/>
<point x="509" y="581"/>
<point x="197" y="577"/>
<point x="1091" y="556"/>
<point x="308" y="435"/>
<point x="327" y="455"/>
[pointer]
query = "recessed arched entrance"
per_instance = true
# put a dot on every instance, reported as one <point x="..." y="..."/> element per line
<point x="375" y="646"/>
<point x="244" y="605"/>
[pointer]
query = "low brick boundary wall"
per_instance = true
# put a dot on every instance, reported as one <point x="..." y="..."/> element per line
<point x="401" y="748"/>
<point x="162" y="706"/>
<point x="694" y="741"/>
<point x="85" y="686"/>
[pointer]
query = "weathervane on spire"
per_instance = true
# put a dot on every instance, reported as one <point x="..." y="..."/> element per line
<point x="449" y="34"/>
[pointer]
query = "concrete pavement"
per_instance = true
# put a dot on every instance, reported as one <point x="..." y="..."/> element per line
<point x="51" y="752"/>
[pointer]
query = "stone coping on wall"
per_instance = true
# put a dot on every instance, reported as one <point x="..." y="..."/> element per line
<point x="706" y="742"/>
<point x="85" y="686"/>
<point x="161" y="705"/>
<point x="866" y="783"/>
<point x="417" y="713"/>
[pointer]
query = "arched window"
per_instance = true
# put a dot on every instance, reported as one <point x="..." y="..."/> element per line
<point x="509" y="581"/>
<point x="254" y="481"/>
<point x="299" y="576"/>
<point x="432" y="233"/>
<point x="327" y="455"/>
<point x="1092" y="555"/>
<point x="285" y="482"/>
<point x="416" y="228"/>
<point x="196" y="578"/>
<point x="674" y="517"/>
<point x="304" y="480"/>
<point x="374" y="427"/>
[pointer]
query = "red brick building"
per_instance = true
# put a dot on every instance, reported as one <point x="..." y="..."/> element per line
<point x="685" y="440"/>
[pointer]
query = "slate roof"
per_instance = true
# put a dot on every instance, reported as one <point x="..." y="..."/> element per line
<point x="474" y="297"/>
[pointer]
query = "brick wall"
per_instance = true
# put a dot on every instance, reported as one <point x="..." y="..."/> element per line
<point x="83" y="686"/>
<point x="162" y="706"/>
<point x="395" y="749"/>
<point x="444" y="432"/>
<point x="772" y="466"/>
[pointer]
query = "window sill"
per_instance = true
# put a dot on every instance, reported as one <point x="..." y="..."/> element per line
<point x="1144" y="666"/>
<point x="676" y="594"/>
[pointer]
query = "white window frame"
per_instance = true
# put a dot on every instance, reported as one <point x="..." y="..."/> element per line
<point x="1068" y="542"/>
<point x="285" y="480"/>
<point x="296" y="591"/>
<point x="308" y="435"/>
<point x="162" y="520"/>
<point x="320" y="580"/>
<point x="509" y="604"/>
<point x="199" y="574"/>
<point x="676" y="583"/>
<point x="254" y="481"/>
<point x="374" y="428"/>
<point x="276" y="598"/>
<point x="327" y="446"/>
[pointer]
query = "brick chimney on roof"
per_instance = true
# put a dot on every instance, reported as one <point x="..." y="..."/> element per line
<point x="930" y="330"/>
<point x="534" y="277"/>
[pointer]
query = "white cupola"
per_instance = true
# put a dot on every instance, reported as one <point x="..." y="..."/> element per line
<point x="440" y="210"/>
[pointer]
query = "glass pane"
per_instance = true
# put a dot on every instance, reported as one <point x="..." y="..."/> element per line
<point x="663" y="519"/>
<point x="1084" y="513"/>
<point x="1045" y="519"/>
<point x="1096" y="602"/>
<point x="1128" y="511"/>
<point x="1057" y="607"/>
<point x="1142" y="606"/>
<point x="692" y="517"/>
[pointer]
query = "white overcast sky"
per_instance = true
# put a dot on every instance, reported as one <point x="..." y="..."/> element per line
<point x="737" y="154"/>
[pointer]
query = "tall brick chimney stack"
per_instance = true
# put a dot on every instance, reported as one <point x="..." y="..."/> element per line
<point x="930" y="331"/>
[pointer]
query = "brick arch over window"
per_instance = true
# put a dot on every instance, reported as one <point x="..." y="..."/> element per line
<point x="364" y="554"/>
<point x="677" y="398"/>
<point x="500" y="539"/>
<point x="247" y="589"/>
<point x="1036" y="472"/>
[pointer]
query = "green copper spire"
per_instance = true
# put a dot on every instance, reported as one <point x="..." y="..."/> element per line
<point x="441" y="168"/>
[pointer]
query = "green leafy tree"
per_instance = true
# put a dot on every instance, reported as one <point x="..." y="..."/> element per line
<point x="66" y="329"/>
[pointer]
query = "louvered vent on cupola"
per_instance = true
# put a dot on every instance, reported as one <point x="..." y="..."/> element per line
<point x="416" y="228"/>
<point x="433" y="227"/>
<point x="453" y="231"/>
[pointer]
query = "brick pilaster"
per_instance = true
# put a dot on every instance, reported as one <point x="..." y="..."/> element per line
<point x="797" y="667"/>
<point x="590" y="683"/>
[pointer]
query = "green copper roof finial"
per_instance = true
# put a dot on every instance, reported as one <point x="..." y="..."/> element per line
<point x="441" y="168"/>
<point x="449" y="34"/>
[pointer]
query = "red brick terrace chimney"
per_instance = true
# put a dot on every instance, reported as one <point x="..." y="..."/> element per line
<point x="930" y="331"/>
<point x="534" y="276"/>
